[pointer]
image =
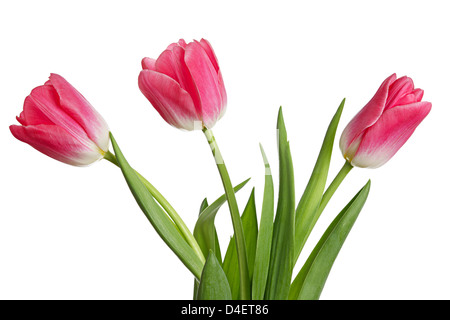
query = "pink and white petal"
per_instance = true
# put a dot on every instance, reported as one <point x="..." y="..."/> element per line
<point x="171" y="63"/>
<point x="223" y="93"/>
<point x="418" y="93"/>
<point x="46" y="100"/>
<point x="180" y="43"/>
<point x="401" y="87"/>
<point x="185" y="79"/>
<point x="210" y="52"/>
<point x="32" y="113"/>
<point x="148" y="63"/>
<point x="173" y="103"/>
<point x="80" y="110"/>
<point x="21" y="119"/>
<point x="367" y="116"/>
<point x="350" y="152"/>
<point x="212" y="56"/>
<point x="207" y="82"/>
<point x="58" y="144"/>
<point x="407" y="99"/>
<point x="382" y="141"/>
<point x="166" y="64"/>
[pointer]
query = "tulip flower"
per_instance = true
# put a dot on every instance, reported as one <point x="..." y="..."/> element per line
<point x="383" y="126"/>
<point x="59" y="122"/>
<point x="185" y="85"/>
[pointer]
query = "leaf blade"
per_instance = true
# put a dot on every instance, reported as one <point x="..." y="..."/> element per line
<point x="213" y="282"/>
<point x="203" y="206"/>
<point x="205" y="231"/>
<point x="230" y="264"/>
<point x="264" y="241"/>
<point x="305" y="215"/>
<point x="157" y="217"/>
<point x="282" y="252"/>
<point x="311" y="279"/>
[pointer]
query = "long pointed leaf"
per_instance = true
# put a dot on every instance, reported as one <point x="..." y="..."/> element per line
<point x="205" y="231"/>
<point x="250" y="224"/>
<point x="306" y="214"/>
<point x="311" y="279"/>
<point x="282" y="253"/>
<point x="157" y="217"/>
<point x="231" y="268"/>
<point x="213" y="283"/>
<point x="203" y="206"/>
<point x="245" y="284"/>
<point x="230" y="264"/>
<point x="264" y="242"/>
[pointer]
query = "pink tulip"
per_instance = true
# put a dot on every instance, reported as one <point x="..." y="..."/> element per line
<point x="59" y="122"/>
<point x="381" y="128"/>
<point x="185" y="85"/>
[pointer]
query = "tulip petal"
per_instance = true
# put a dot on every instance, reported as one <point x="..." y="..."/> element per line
<point x="57" y="143"/>
<point x="32" y="114"/>
<point x="148" y="63"/>
<point x="44" y="99"/>
<point x="186" y="80"/>
<point x="367" y="116"/>
<point x="171" y="63"/>
<point x="418" y="94"/>
<point x="180" y="43"/>
<point x="166" y="64"/>
<point x="80" y="110"/>
<point x="212" y="56"/>
<point x="401" y="87"/>
<point x="407" y="99"/>
<point x="206" y="79"/>
<point x="223" y="94"/>
<point x="171" y="101"/>
<point x="210" y="52"/>
<point x="389" y="134"/>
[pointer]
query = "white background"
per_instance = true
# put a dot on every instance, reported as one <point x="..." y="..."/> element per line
<point x="76" y="233"/>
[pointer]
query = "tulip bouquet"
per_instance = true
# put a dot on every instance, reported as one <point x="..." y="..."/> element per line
<point x="185" y="85"/>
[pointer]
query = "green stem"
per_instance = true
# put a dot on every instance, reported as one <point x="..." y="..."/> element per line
<point x="235" y="217"/>
<point x="333" y="186"/>
<point x="179" y="223"/>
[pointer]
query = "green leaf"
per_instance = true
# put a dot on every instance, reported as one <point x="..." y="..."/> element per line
<point x="282" y="253"/>
<point x="205" y="231"/>
<point x="203" y="206"/>
<point x="157" y="217"/>
<point x="250" y="226"/>
<point x="245" y="284"/>
<point x="264" y="241"/>
<point x="307" y="214"/>
<point x="231" y="269"/>
<point x="213" y="283"/>
<point x="311" y="279"/>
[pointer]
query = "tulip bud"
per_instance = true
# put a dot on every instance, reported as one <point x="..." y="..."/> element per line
<point x="185" y="85"/>
<point x="59" y="122"/>
<point x="381" y="128"/>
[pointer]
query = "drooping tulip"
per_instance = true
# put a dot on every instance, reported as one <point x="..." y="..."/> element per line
<point x="383" y="126"/>
<point x="59" y="122"/>
<point x="185" y="85"/>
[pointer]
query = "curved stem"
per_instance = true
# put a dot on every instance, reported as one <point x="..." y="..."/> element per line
<point x="333" y="186"/>
<point x="235" y="217"/>
<point x="179" y="223"/>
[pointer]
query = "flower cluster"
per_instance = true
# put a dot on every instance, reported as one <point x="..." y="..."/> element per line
<point x="185" y="86"/>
